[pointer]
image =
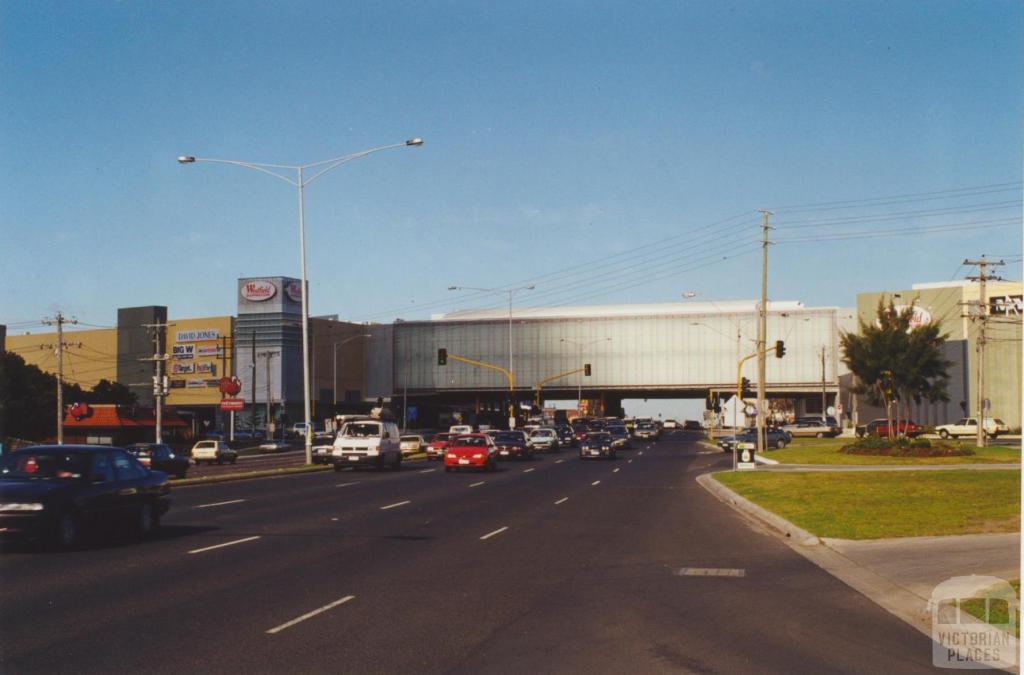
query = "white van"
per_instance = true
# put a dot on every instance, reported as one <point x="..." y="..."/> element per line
<point x="367" y="441"/>
<point x="460" y="429"/>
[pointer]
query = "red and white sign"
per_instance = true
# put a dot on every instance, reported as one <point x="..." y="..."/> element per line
<point x="232" y="404"/>
<point x="294" y="290"/>
<point x="258" y="291"/>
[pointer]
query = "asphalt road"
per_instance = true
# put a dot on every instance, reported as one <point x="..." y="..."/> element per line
<point x="549" y="566"/>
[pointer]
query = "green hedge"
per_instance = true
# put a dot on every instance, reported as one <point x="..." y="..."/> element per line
<point x="906" y="447"/>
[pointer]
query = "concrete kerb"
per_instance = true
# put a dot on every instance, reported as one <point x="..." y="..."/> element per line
<point x="744" y="505"/>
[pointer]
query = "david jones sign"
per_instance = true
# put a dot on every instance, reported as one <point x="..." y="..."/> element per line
<point x="258" y="291"/>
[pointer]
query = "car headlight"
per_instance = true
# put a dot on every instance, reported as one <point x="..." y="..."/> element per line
<point x="29" y="506"/>
<point x="478" y="455"/>
<point x="605" y="447"/>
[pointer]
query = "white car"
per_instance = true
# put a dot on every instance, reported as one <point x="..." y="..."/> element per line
<point x="968" y="426"/>
<point x="460" y="429"/>
<point x="213" y="451"/>
<point x="370" y="441"/>
<point x="412" y="443"/>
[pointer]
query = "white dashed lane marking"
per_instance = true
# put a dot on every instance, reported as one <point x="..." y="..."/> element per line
<point x="615" y="470"/>
<point x="496" y="532"/>
<point x="227" y="543"/>
<point x="310" y="615"/>
<point x="596" y="482"/>
<point x="206" y="506"/>
<point x="478" y="484"/>
<point x="528" y="470"/>
<point x="428" y="470"/>
<point x="395" y="505"/>
<point x="563" y="499"/>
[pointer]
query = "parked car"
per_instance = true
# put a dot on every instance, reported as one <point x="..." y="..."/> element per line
<point x="544" y="438"/>
<point x="620" y="436"/>
<point x="693" y="425"/>
<point x="471" y="451"/>
<point x="597" y="444"/>
<point x="880" y="427"/>
<point x="58" y="492"/>
<point x="437" y="445"/>
<point x="274" y="446"/>
<point x="213" y="451"/>
<point x="412" y="443"/>
<point x="371" y="442"/>
<point x="160" y="457"/>
<point x="968" y="426"/>
<point x="512" y="444"/>
<point x="815" y="427"/>
<point x="774" y="438"/>
<point x="670" y="424"/>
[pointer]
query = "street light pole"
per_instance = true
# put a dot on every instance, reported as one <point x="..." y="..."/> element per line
<point x="334" y="381"/>
<point x="579" y="358"/>
<point x="300" y="182"/>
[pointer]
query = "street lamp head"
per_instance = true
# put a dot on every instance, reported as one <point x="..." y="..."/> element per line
<point x="530" y="287"/>
<point x="414" y="141"/>
<point x="689" y="294"/>
<point x="186" y="159"/>
<point x="453" y="288"/>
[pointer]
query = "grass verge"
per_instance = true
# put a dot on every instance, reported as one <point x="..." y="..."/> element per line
<point x="826" y="451"/>
<point x="243" y="475"/>
<point x="999" y="613"/>
<point x="874" y="505"/>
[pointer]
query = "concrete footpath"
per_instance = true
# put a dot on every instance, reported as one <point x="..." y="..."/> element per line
<point x="898" y="574"/>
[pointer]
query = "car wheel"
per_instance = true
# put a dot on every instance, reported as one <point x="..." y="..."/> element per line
<point x="943" y="434"/>
<point x="447" y="469"/>
<point x="779" y="445"/>
<point x="182" y="473"/>
<point x="820" y="434"/>
<point x="234" y="459"/>
<point x="220" y="461"/>
<point x="397" y="464"/>
<point x="337" y="467"/>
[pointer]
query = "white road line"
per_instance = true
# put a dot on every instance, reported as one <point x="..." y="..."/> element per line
<point x="395" y="505"/>
<point x="229" y="543"/>
<point x="528" y="470"/>
<point x="491" y="534"/>
<point x="640" y="453"/>
<point x="629" y="462"/>
<point x="206" y="506"/>
<point x="346" y="484"/>
<point x="615" y="470"/>
<point x="596" y="482"/>
<point x="563" y="499"/>
<point x="428" y="470"/>
<point x="559" y="461"/>
<point x="310" y="615"/>
<point x="478" y="484"/>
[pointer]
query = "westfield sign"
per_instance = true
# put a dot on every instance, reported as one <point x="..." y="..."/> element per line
<point x="258" y="291"/>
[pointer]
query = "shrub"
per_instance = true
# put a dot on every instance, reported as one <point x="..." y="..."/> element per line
<point x="906" y="447"/>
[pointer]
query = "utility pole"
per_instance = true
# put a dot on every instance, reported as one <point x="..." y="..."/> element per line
<point x="252" y="389"/>
<point x="159" y="385"/>
<point x="824" y="405"/>
<point x="762" y="331"/>
<point x="982" y="319"/>
<point x="270" y="396"/>
<point x="59" y="320"/>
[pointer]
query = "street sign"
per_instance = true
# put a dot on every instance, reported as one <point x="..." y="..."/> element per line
<point x="232" y="404"/>
<point x="746" y="456"/>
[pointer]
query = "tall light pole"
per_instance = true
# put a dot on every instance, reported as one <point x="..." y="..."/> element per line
<point x="579" y="359"/>
<point x="509" y="292"/>
<point x="334" y="381"/>
<point x="300" y="182"/>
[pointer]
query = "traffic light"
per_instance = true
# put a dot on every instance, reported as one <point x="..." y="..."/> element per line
<point x="709" y="402"/>
<point x="744" y="387"/>
<point x="586" y="369"/>
<point x="780" y="349"/>
<point x="718" y="405"/>
<point x="442" y="357"/>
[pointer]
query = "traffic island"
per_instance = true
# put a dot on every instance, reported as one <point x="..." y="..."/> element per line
<point x="246" y="475"/>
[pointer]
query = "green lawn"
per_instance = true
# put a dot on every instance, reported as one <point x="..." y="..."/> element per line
<point x="877" y="504"/>
<point x="998" y="612"/>
<point x="826" y="451"/>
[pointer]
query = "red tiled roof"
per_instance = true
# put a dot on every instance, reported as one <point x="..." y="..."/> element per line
<point x="110" y="416"/>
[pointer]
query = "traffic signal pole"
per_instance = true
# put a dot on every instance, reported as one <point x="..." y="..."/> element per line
<point x="540" y="384"/>
<point x="480" y="364"/>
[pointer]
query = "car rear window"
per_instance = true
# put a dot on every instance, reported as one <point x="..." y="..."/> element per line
<point x="56" y="465"/>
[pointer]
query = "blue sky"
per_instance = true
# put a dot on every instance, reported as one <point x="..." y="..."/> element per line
<point x="557" y="133"/>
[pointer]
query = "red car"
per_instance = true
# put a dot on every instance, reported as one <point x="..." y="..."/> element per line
<point x="437" y="445"/>
<point x="880" y="427"/>
<point x="471" y="451"/>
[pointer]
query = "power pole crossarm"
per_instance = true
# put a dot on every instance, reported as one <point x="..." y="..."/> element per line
<point x="59" y="320"/>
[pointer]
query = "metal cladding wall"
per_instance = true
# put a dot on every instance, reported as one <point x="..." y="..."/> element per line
<point x="667" y="351"/>
<point x="135" y="342"/>
<point x="270" y="308"/>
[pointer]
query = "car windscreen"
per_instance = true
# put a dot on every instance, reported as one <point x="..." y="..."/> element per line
<point x="508" y="437"/>
<point x="45" y="465"/>
<point x="470" y="440"/>
<point x="438" y="438"/>
<point x="361" y="430"/>
<point x="599" y="438"/>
